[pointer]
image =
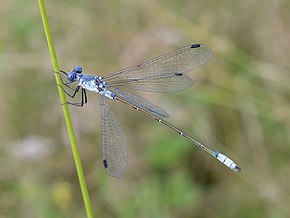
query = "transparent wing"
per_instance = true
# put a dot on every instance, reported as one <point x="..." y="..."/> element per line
<point x="164" y="73"/>
<point x="139" y="102"/>
<point x="168" y="83"/>
<point x="115" y="157"/>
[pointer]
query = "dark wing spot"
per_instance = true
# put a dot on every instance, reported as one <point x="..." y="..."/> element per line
<point x="105" y="164"/>
<point x="195" y="46"/>
<point x="178" y="74"/>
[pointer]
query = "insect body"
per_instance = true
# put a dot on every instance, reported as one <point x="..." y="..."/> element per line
<point x="166" y="73"/>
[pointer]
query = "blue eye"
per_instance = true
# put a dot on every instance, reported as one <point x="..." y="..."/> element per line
<point x="78" y="69"/>
<point x="71" y="76"/>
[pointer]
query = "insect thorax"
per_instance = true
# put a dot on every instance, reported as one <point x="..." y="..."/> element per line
<point x="95" y="84"/>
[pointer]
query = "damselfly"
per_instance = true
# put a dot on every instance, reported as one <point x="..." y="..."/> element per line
<point x="165" y="73"/>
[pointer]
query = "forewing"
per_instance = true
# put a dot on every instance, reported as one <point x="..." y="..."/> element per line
<point x="155" y="74"/>
<point x="115" y="154"/>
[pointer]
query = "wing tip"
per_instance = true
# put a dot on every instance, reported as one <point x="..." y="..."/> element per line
<point x="206" y="50"/>
<point x="113" y="173"/>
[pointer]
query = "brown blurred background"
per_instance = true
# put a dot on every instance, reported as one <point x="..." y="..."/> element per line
<point x="239" y="105"/>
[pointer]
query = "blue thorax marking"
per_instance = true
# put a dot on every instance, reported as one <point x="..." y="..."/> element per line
<point x="94" y="84"/>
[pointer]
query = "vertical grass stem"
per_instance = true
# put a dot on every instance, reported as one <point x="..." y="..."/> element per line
<point x="71" y="134"/>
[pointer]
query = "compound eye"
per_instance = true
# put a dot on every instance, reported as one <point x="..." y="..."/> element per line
<point x="71" y="76"/>
<point x="78" y="69"/>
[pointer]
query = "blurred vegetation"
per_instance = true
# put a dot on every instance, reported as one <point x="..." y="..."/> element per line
<point x="239" y="105"/>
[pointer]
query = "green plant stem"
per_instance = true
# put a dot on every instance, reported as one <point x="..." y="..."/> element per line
<point x="71" y="134"/>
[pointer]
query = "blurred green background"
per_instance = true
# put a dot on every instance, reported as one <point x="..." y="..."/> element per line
<point x="238" y="105"/>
